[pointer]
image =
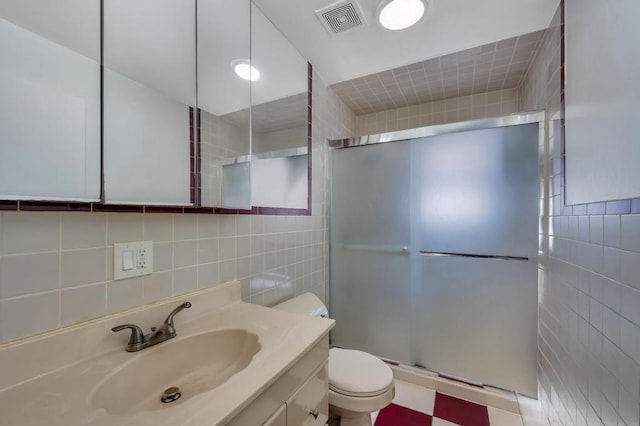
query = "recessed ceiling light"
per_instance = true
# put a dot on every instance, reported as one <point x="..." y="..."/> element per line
<point x="400" y="14"/>
<point x="245" y="70"/>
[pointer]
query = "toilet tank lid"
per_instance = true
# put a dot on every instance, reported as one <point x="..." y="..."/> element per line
<point x="305" y="304"/>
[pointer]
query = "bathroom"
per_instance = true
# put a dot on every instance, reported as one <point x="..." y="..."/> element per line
<point x="57" y="256"/>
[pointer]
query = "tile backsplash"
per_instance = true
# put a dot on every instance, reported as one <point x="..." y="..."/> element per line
<point x="56" y="267"/>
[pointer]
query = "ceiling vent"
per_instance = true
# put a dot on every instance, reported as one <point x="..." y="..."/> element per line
<point x="341" y="17"/>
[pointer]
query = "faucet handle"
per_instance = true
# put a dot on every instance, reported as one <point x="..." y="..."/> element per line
<point x="137" y="335"/>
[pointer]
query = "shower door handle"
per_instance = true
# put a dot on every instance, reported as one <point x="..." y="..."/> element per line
<point x="471" y="255"/>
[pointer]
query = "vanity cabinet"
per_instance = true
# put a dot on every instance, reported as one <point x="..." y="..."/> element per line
<point x="279" y="418"/>
<point x="309" y="406"/>
<point x="299" y="397"/>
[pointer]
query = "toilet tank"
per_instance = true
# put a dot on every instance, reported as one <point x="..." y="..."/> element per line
<point x="305" y="304"/>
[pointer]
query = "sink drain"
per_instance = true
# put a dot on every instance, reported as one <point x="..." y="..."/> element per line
<point x="170" y="395"/>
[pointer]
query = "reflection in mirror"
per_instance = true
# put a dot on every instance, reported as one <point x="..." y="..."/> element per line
<point x="149" y="88"/>
<point x="224" y="103"/>
<point x="50" y="100"/>
<point x="280" y="151"/>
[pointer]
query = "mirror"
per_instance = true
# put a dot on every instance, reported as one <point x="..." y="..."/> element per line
<point x="149" y="80"/>
<point x="50" y="100"/>
<point x="177" y="124"/>
<point x="279" y="119"/>
<point x="224" y="101"/>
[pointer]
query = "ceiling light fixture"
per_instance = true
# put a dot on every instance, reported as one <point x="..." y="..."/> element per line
<point x="400" y="14"/>
<point x="245" y="70"/>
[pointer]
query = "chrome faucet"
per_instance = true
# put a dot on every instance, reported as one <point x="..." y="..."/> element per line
<point x="138" y="341"/>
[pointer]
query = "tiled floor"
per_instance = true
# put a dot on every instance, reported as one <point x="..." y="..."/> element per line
<point x="415" y="405"/>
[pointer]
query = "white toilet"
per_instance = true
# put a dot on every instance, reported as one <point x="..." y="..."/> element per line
<point x="359" y="383"/>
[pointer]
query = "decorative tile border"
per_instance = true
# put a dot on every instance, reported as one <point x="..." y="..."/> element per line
<point x="54" y="206"/>
<point x="135" y="208"/>
<point x="192" y="154"/>
<point x="117" y="208"/>
<point x="627" y="206"/>
<point x="197" y="184"/>
<point x="8" y="205"/>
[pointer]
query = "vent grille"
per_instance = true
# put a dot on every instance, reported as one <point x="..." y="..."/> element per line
<point x="341" y="17"/>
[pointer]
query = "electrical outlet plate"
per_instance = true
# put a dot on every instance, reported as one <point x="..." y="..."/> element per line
<point x="142" y="259"/>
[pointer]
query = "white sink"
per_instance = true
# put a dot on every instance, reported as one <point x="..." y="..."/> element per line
<point x="195" y="364"/>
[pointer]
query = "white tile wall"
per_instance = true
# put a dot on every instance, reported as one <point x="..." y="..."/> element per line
<point x="589" y="293"/>
<point x="29" y="274"/>
<point x="486" y="68"/>
<point x="56" y="268"/>
<point x="219" y="138"/>
<point x="29" y="233"/>
<point x="28" y="315"/>
<point x="481" y="105"/>
<point x="78" y="304"/>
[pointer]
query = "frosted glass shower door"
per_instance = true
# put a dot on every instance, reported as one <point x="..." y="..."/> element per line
<point x="434" y="245"/>
<point x="476" y="224"/>
<point x="370" y="229"/>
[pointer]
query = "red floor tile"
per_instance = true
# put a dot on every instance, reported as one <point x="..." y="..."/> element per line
<point x="458" y="411"/>
<point x="395" y="415"/>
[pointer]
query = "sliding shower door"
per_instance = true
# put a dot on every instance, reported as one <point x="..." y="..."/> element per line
<point x="369" y="249"/>
<point x="434" y="253"/>
<point x="477" y="234"/>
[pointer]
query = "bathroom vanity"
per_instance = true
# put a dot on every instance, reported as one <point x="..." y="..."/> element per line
<point x="234" y="362"/>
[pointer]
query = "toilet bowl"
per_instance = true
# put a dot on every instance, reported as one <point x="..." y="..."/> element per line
<point x="359" y="383"/>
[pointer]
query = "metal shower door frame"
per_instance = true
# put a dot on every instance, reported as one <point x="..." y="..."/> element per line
<point x="404" y="135"/>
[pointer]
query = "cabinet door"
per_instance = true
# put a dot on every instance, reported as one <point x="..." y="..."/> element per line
<point x="149" y="86"/>
<point x="279" y="418"/>
<point x="309" y="406"/>
<point x="50" y="100"/>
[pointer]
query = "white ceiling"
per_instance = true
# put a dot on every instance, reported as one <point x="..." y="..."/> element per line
<point x="448" y="26"/>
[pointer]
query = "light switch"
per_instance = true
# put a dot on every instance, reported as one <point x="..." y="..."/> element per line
<point x="132" y="259"/>
<point x="127" y="260"/>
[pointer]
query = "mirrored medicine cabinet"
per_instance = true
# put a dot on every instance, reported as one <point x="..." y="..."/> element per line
<point x="137" y="102"/>
<point x="50" y="100"/>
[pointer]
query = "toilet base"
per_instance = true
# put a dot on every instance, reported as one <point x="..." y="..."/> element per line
<point x="349" y="418"/>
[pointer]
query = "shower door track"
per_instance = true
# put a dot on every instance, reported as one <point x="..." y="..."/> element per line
<point x="441" y="129"/>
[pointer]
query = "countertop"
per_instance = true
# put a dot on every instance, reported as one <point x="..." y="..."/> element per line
<point x="62" y="397"/>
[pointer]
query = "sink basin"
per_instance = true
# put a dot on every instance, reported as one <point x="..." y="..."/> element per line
<point x="195" y="364"/>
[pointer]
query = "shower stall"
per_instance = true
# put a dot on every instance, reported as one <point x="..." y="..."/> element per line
<point x="434" y="245"/>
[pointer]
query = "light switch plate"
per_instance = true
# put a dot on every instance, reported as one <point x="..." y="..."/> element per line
<point x="142" y="259"/>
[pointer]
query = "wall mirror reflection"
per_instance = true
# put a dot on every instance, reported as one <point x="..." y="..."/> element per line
<point x="267" y="128"/>
<point x="50" y="103"/>
<point x="224" y="53"/>
<point x="184" y="119"/>
<point x="279" y="116"/>
<point x="149" y="80"/>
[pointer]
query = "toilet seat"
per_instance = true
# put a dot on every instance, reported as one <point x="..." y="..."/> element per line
<point x="358" y="374"/>
<point x="359" y="395"/>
